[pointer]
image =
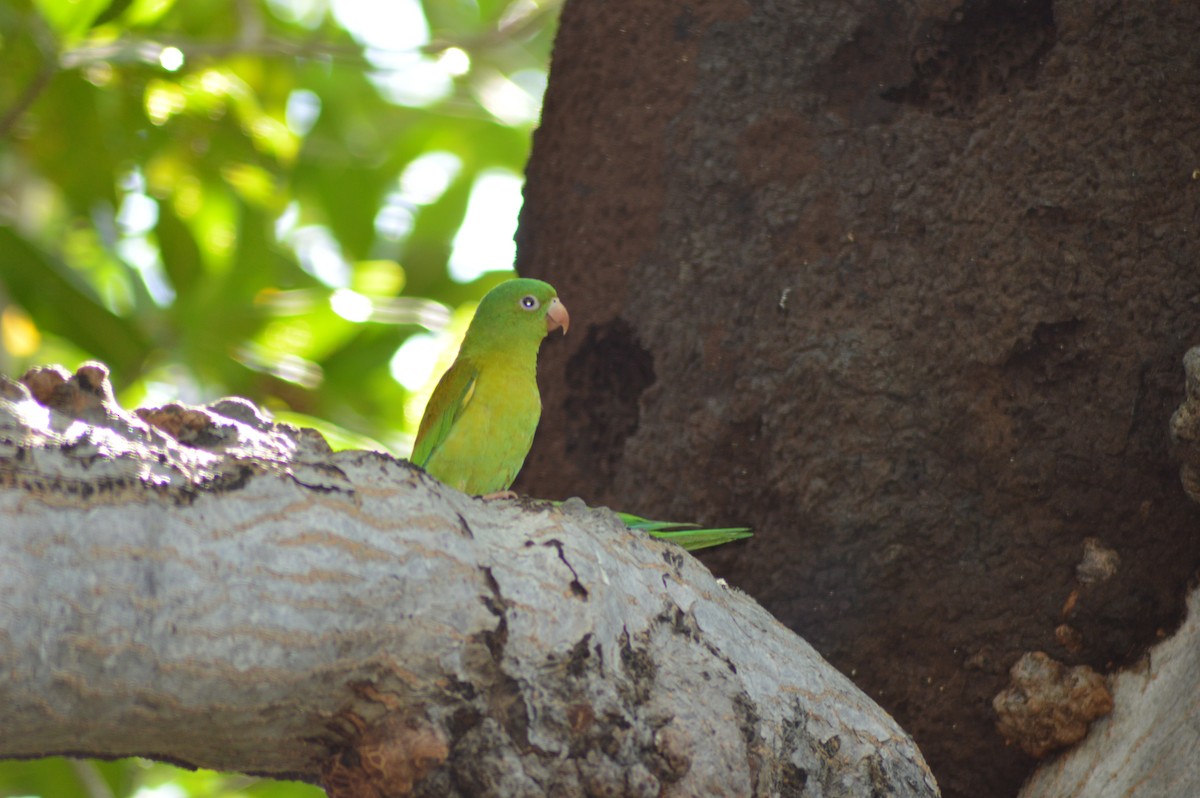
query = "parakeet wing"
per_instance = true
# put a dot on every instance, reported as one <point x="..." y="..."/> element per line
<point x="450" y="397"/>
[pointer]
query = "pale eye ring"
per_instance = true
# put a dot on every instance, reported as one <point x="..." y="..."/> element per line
<point x="530" y="302"/>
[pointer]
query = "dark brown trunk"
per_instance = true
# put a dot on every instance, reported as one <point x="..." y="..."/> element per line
<point x="904" y="286"/>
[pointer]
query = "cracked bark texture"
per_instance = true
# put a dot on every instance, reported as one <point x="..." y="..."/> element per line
<point x="904" y="286"/>
<point x="201" y="586"/>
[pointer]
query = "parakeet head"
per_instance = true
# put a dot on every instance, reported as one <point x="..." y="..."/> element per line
<point x="517" y="309"/>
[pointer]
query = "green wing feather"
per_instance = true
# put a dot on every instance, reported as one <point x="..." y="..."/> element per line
<point x="450" y="397"/>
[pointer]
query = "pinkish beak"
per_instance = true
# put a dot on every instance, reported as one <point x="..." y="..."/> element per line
<point x="557" y="317"/>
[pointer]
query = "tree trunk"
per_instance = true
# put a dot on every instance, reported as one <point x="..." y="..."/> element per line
<point x="905" y="287"/>
<point x="200" y="586"/>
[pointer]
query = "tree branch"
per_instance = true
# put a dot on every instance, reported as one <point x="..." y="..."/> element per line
<point x="201" y="586"/>
<point x="138" y="50"/>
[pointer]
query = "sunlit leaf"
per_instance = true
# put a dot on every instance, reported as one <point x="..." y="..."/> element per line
<point x="273" y="137"/>
<point x="70" y="18"/>
<point x="138" y="13"/>
<point x="253" y="184"/>
<point x="379" y="277"/>
<point x="164" y="99"/>
<point x="115" y="9"/>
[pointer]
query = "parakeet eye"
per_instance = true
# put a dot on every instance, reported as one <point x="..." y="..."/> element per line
<point x="530" y="302"/>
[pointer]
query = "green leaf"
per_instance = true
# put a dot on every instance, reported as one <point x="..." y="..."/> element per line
<point x="138" y="13"/>
<point x="181" y="256"/>
<point x="70" y="18"/>
<point x="115" y="9"/>
<point x="73" y="143"/>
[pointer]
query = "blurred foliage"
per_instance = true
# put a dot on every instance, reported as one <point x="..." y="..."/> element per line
<point x="58" y="777"/>
<point x="254" y="197"/>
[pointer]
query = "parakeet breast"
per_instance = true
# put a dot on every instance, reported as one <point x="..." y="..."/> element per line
<point x="487" y="446"/>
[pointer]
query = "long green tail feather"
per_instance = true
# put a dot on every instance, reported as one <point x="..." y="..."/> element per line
<point x="690" y="536"/>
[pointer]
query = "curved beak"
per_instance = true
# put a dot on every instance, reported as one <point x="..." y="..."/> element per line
<point x="556" y="316"/>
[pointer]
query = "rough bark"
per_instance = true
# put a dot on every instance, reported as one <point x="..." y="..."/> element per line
<point x="201" y="586"/>
<point x="904" y="286"/>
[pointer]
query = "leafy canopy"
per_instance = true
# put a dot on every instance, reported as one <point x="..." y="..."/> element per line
<point x="260" y="197"/>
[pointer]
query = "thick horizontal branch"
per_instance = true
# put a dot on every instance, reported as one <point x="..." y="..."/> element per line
<point x="204" y="587"/>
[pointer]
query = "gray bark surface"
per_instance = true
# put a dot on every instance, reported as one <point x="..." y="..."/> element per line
<point x="233" y="595"/>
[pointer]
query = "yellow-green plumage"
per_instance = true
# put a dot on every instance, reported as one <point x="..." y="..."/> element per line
<point x="480" y="420"/>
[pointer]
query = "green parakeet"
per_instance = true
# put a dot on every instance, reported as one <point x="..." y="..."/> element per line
<point x="480" y="420"/>
<point x="479" y="423"/>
